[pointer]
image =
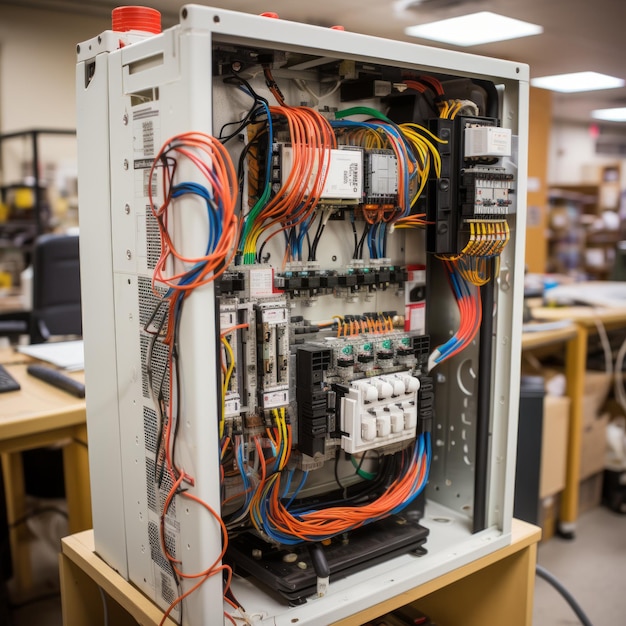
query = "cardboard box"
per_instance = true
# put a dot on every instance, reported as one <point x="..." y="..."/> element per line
<point x="597" y="385"/>
<point x="554" y="445"/>
<point x="590" y="492"/>
<point x="593" y="447"/>
<point x="548" y="514"/>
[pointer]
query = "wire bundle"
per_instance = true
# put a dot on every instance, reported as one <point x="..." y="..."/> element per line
<point x="416" y="154"/>
<point x="378" y="130"/>
<point x="487" y="241"/>
<point x="289" y="525"/>
<point x="211" y="160"/>
<point x="181" y="274"/>
<point x="311" y="140"/>
<point x="468" y="301"/>
<point x="355" y="325"/>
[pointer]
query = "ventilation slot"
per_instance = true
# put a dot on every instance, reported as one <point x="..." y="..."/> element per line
<point x="153" y="239"/>
<point x="155" y="548"/>
<point x="150" y="430"/>
<point x="159" y="367"/>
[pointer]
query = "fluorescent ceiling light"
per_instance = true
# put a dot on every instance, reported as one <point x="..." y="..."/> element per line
<point x="474" y="29"/>
<point x="578" y="81"/>
<point x="610" y="115"/>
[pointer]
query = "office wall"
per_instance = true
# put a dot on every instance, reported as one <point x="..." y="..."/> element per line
<point x="37" y="60"/>
<point x="573" y="160"/>
<point x="37" y="68"/>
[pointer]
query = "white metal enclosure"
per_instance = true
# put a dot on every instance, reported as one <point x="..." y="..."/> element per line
<point x="131" y="99"/>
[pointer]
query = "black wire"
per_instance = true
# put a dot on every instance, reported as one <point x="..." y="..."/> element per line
<point x="569" y="598"/>
<point x="337" y="455"/>
<point x="358" y="468"/>
<point x="316" y="239"/>
<point x="356" y="239"/>
<point x="247" y="119"/>
<point x="388" y="470"/>
<point x="176" y="363"/>
<point x="235" y="78"/>
<point x="366" y="230"/>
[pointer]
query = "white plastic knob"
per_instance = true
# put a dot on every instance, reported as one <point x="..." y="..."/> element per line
<point x="385" y="389"/>
<point x="411" y="383"/>
<point x="383" y="425"/>
<point x="397" y="421"/>
<point x="368" y="428"/>
<point x="399" y="388"/>
<point x="410" y="418"/>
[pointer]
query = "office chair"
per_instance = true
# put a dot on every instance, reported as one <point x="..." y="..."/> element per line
<point x="56" y="288"/>
<point x="56" y="312"/>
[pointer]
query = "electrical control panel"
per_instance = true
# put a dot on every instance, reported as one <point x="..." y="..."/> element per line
<point x="293" y="242"/>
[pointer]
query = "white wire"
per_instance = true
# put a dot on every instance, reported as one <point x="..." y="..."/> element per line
<point x="606" y="346"/>
<point x="304" y="87"/>
<point x="618" y="381"/>
<point x="105" y="606"/>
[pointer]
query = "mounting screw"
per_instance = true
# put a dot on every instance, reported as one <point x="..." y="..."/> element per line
<point x="129" y="255"/>
<point x="236" y="66"/>
<point x="334" y="257"/>
<point x="127" y="209"/>
<point x="125" y="164"/>
<point x="125" y="119"/>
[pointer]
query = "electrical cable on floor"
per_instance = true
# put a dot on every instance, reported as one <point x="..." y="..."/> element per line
<point x="542" y="572"/>
<point x="105" y="606"/>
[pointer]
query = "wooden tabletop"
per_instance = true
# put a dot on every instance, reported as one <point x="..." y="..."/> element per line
<point x="37" y="406"/>
<point x="542" y="338"/>
<point x="586" y="315"/>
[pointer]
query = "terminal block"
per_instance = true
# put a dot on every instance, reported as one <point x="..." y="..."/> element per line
<point x="315" y="416"/>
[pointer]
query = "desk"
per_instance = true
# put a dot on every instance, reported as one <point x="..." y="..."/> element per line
<point x="495" y="589"/>
<point x="40" y="415"/>
<point x="585" y="319"/>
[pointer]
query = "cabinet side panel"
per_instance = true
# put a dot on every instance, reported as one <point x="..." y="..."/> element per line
<point x="98" y="311"/>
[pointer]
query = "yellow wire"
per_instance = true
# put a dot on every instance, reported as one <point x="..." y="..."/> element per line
<point x="226" y="382"/>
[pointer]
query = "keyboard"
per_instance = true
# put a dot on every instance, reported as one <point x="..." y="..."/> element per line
<point x="7" y="382"/>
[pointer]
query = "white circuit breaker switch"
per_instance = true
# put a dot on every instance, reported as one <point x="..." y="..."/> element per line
<point x="379" y="411"/>
<point x="487" y="141"/>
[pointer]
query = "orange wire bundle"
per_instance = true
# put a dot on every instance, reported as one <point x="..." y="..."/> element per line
<point x="211" y="160"/>
<point x="311" y="138"/>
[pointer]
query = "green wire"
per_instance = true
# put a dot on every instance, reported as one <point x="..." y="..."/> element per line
<point x="361" y="472"/>
<point x="362" y="111"/>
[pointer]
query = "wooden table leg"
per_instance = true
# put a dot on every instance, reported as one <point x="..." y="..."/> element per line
<point x="13" y="471"/>
<point x="77" y="489"/>
<point x="575" y="367"/>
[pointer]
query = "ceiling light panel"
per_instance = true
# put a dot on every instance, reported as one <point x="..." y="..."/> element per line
<point x="474" y="29"/>
<point x="610" y="115"/>
<point x="577" y="81"/>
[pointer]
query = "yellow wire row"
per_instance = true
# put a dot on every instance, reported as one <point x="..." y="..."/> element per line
<point x="487" y="240"/>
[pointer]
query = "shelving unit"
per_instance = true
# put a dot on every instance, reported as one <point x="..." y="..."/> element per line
<point x="575" y="242"/>
<point x="19" y="228"/>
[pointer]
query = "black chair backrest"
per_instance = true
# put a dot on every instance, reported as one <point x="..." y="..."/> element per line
<point x="56" y="287"/>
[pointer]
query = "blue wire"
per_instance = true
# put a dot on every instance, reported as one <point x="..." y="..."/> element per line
<point x="298" y="489"/>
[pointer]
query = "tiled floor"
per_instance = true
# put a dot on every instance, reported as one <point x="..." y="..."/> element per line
<point x="592" y="567"/>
